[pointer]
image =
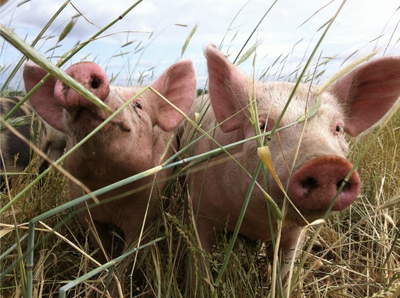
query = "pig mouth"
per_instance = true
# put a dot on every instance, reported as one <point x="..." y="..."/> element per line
<point x="93" y="119"/>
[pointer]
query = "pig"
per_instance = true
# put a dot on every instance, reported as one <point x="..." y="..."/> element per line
<point x="311" y="177"/>
<point x="16" y="154"/>
<point x="140" y="137"/>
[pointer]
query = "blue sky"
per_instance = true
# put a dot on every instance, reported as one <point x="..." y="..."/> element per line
<point x="157" y="30"/>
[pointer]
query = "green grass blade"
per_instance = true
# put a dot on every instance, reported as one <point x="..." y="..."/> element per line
<point x="188" y="39"/>
<point x="21" y="61"/>
<point x="107" y="265"/>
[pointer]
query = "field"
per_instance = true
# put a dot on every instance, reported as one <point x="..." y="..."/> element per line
<point x="354" y="253"/>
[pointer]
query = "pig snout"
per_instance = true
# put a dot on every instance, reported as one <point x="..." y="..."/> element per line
<point x="91" y="76"/>
<point x="315" y="184"/>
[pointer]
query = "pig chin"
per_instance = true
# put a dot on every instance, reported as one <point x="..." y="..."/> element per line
<point x="305" y="216"/>
<point x="86" y="120"/>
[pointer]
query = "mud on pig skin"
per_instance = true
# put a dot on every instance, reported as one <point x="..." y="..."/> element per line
<point x="140" y="137"/>
<point x="351" y="105"/>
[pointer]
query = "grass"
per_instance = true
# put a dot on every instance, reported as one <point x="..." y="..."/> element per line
<point x="355" y="254"/>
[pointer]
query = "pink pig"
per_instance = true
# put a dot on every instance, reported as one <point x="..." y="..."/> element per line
<point x="140" y="137"/>
<point x="310" y="176"/>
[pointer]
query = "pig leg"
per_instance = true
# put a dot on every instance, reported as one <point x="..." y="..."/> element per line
<point x="198" y="263"/>
<point x="99" y="232"/>
<point x="287" y="248"/>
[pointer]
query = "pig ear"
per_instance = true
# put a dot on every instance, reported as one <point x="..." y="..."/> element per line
<point x="228" y="90"/>
<point x="368" y="92"/>
<point x="178" y="85"/>
<point x="43" y="99"/>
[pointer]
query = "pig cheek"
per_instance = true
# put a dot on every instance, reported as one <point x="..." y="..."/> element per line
<point x="251" y="159"/>
<point x="344" y="146"/>
<point x="76" y="129"/>
<point x="74" y="165"/>
<point x="71" y="129"/>
<point x="274" y="189"/>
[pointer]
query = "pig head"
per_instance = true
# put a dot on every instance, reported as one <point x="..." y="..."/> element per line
<point x="140" y="137"/>
<point x="309" y="156"/>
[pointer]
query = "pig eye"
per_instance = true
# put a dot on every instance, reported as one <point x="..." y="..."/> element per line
<point x="265" y="124"/>
<point x="138" y="105"/>
<point x="339" y="129"/>
<point x="262" y="125"/>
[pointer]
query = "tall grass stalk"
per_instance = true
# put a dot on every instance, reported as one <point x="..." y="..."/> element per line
<point x="33" y="55"/>
<point x="35" y="41"/>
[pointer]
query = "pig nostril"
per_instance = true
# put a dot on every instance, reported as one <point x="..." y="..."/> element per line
<point x="339" y="183"/>
<point x="309" y="184"/>
<point x="96" y="83"/>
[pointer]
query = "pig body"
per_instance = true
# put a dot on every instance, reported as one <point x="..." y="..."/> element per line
<point x="309" y="157"/>
<point x="16" y="154"/>
<point x="137" y="139"/>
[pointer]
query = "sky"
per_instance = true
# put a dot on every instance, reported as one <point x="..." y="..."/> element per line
<point x="152" y="35"/>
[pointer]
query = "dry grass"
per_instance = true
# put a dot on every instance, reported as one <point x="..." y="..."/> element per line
<point x="356" y="255"/>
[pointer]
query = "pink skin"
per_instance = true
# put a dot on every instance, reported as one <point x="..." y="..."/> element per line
<point x="352" y="104"/>
<point x="137" y="139"/>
